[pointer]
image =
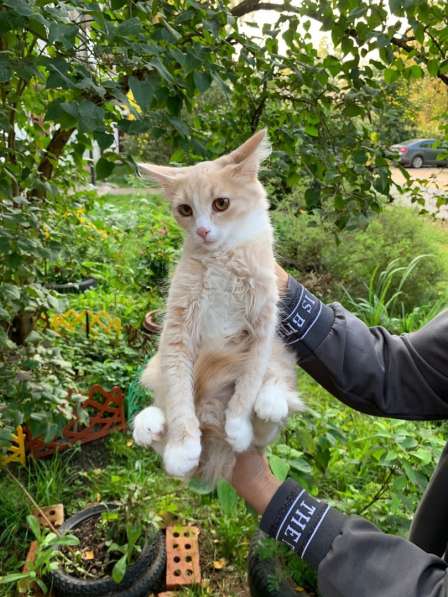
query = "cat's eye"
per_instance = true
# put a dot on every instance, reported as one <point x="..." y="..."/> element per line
<point x="221" y="204"/>
<point x="185" y="210"/>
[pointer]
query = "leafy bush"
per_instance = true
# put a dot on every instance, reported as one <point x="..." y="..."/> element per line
<point x="327" y="264"/>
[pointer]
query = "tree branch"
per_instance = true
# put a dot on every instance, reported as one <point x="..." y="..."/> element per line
<point x="247" y="6"/>
<point x="54" y="151"/>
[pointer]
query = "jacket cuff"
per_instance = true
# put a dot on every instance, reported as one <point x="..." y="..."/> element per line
<point x="304" y="320"/>
<point x="306" y="525"/>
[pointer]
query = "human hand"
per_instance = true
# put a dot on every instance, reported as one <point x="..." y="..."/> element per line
<point x="253" y="480"/>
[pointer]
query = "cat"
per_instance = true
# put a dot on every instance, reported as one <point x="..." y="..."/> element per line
<point x="222" y="380"/>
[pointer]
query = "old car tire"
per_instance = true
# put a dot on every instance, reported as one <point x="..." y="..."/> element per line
<point x="76" y="287"/>
<point x="145" y="575"/>
<point x="263" y="572"/>
<point x="417" y="161"/>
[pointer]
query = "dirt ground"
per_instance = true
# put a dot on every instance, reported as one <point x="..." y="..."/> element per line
<point x="434" y="176"/>
<point x="433" y="183"/>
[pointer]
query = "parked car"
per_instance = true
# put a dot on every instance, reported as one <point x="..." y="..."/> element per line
<point x="417" y="153"/>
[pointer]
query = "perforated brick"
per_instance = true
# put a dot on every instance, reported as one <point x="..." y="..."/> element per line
<point x="182" y="551"/>
<point x="55" y="515"/>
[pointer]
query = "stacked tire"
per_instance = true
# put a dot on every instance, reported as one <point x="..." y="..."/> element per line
<point x="146" y="575"/>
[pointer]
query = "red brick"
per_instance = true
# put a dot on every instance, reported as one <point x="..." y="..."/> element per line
<point x="182" y="551"/>
<point x="55" y="515"/>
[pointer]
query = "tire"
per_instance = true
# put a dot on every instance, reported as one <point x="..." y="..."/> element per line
<point x="76" y="287"/>
<point x="145" y="575"/>
<point x="263" y="573"/>
<point x="417" y="161"/>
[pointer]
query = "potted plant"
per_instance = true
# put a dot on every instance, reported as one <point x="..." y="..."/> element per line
<point x="106" y="549"/>
<point x="120" y="550"/>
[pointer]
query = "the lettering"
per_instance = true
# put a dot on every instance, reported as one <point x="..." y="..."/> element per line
<point x="297" y="524"/>
<point x="308" y="303"/>
<point x="298" y="320"/>
<point x="291" y="534"/>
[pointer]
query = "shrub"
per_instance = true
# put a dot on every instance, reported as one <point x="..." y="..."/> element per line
<point x="327" y="264"/>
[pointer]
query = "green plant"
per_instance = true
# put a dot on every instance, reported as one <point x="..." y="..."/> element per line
<point x="384" y="295"/>
<point x="419" y="316"/>
<point x="123" y="528"/>
<point x="325" y="264"/>
<point x="47" y="557"/>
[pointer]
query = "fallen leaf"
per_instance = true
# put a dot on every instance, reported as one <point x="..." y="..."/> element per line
<point x="220" y="564"/>
<point x="88" y="554"/>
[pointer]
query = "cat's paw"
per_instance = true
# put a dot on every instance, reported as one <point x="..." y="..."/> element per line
<point x="239" y="433"/>
<point x="149" y="426"/>
<point x="272" y="403"/>
<point x="182" y="457"/>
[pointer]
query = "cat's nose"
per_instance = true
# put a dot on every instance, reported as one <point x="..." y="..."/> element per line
<point x="202" y="232"/>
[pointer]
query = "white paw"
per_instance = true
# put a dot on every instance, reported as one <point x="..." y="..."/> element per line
<point x="180" y="458"/>
<point x="239" y="433"/>
<point x="149" y="426"/>
<point x="271" y="403"/>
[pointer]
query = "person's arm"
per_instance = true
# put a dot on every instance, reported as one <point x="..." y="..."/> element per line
<point x="351" y="556"/>
<point x="369" y="369"/>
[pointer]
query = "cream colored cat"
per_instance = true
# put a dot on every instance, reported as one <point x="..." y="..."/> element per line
<point x="222" y="380"/>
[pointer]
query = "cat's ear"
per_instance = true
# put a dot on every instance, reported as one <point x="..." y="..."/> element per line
<point x="248" y="157"/>
<point x="165" y="176"/>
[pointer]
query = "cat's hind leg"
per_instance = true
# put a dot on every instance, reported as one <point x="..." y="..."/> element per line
<point x="271" y="403"/>
<point x="149" y="426"/>
<point x="275" y="400"/>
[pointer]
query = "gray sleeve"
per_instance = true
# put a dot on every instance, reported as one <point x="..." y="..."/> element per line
<point x="352" y="557"/>
<point x="364" y="561"/>
<point x="369" y="369"/>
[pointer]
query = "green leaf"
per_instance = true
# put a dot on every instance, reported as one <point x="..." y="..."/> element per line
<point x="130" y="27"/>
<point x="312" y="130"/>
<point x="91" y="116"/>
<point x="119" y="570"/>
<point x="414" y="476"/>
<point x="415" y="72"/>
<point x="104" y="140"/>
<point x="20" y="7"/>
<point x="34" y="525"/>
<point x="104" y="168"/>
<point x="227" y="497"/>
<point x="312" y="197"/>
<point x="143" y="91"/>
<point x="15" y="577"/>
<point x="391" y="75"/>
<point x="179" y="125"/>
<point x="433" y="67"/>
<point x="279" y="467"/>
<point x="202" y="80"/>
<point x="63" y="33"/>
<point x="66" y="540"/>
<point x="199" y="487"/>
<point x="161" y="69"/>
<point x="64" y="113"/>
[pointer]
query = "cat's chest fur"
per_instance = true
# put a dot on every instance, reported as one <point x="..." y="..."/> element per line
<point x="223" y="303"/>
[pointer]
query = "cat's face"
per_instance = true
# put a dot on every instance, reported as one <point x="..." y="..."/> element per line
<point x="218" y="203"/>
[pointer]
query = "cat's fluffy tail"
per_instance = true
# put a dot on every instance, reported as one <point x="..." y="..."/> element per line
<point x="214" y="376"/>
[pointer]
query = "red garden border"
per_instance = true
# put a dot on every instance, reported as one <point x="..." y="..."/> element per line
<point x="108" y="415"/>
